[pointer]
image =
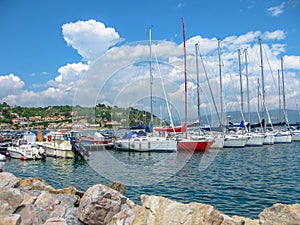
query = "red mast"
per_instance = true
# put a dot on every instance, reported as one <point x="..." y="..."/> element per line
<point x="185" y="81"/>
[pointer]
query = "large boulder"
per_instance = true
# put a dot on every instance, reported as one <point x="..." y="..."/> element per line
<point x="10" y="199"/>
<point x="8" y="180"/>
<point x="100" y="204"/>
<point x="280" y="214"/>
<point x="13" y="219"/>
<point x="159" y="210"/>
<point x="46" y="206"/>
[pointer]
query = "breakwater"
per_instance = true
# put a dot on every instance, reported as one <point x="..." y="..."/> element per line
<point x="34" y="201"/>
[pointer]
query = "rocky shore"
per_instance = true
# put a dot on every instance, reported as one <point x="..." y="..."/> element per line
<point x="33" y="201"/>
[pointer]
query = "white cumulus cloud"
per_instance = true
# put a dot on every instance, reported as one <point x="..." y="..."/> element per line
<point x="90" y="38"/>
<point x="10" y="84"/>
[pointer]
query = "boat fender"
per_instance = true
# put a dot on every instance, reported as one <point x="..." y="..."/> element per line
<point x="7" y="154"/>
<point x="22" y="157"/>
<point x="49" y="138"/>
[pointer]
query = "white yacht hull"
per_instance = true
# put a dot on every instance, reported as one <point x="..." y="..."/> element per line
<point x="282" y="137"/>
<point x="150" y="145"/>
<point x="26" y="152"/>
<point x="235" y="141"/>
<point x="255" y="139"/>
<point x="296" y="135"/>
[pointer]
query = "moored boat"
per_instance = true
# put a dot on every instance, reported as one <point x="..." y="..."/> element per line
<point x="24" y="151"/>
<point x="140" y="142"/>
<point x="201" y="144"/>
<point x="59" y="144"/>
<point x="282" y="137"/>
<point x="255" y="139"/>
<point x="235" y="141"/>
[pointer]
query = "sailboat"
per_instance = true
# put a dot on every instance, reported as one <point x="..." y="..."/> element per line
<point x="255" y="138"/>
<point x="218" y="134"/>
<point x="231" y="140"/>
<point x="284" y="135"/>
<point x="139" y="140"/>
<point x="269" y="135"/>
<point x="201" y="143"/>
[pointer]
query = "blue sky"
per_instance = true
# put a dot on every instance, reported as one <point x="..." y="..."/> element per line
<point x="47" y="46"/>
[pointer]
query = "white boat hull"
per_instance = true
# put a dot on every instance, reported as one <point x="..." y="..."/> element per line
<point x="151" y="145"/>
<point x="235" y="141"/>
<point x="282" y="137"/>
<point x="296" y="135"/>
<point x="26" y="152"/>
<point x="255" y="139"/>
<point x="269" y="139"/>
<point x="58" y="149"/>
<point x="219" y="141"/>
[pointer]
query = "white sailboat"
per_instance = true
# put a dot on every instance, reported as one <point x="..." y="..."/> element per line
<point x="283" y="136"/>
<point x="255" y="138"/>
<point x="269" y="135"/>
<point x="218" y="137"/>
<point x="231" y="139"/>
<point x="141" y="141"/>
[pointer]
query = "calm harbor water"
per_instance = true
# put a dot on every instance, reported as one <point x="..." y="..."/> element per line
<point x="237" y="181"/>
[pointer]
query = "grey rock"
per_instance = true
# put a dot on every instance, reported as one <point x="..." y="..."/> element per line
<point x="8" y="180"/>
<point x="99" y="204"/>
<point x="10" y="199"/>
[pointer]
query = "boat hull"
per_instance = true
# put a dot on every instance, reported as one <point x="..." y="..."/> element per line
<point x="269" y="139"/>
<point x="255" y="140"/>
<point x="282" y="138"/>
<point x="218" y="142"/>
<point x="235" y="141"/>
<point x="59" y="153"/>
<point x="26" y="152"/>
<point x="296" y="135"/>
<point x="146" y="146"/>
<point x="194" y="145"/>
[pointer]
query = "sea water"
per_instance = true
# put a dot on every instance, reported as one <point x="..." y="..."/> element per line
<point x="235" y="181"/>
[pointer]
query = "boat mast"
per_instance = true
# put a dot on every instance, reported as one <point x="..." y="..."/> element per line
<point x="283" y="93"/>
<point x="247" y="80"/>
<point x="198" y="85"/>
<point x="279" y="96"/>
<point x="185" y="80"/>
<point x="151" y="77"/>
<point x="263" y="86"/>
<point x="221" y="89"/>
<point x="241" y="82"/>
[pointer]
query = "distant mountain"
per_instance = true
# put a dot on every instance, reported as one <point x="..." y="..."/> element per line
<point x="292" y="115"/>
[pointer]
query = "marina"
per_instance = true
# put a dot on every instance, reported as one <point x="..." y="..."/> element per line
<point x="239" y="181"/>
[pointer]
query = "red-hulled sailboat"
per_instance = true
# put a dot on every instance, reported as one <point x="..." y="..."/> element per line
<point x="200" y="143"/>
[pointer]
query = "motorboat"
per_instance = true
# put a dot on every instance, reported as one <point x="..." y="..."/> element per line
<point x="59" y="144"/>
<point x="23" y="150"/>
